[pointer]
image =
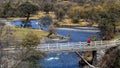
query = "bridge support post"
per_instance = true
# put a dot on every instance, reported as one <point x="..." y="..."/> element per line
<point x="57" y="46"/>
<point x="101" y="43"/>
<point x="94" y="58"/>
<point x="95" y="43"/>
<point x="48" y="47"/>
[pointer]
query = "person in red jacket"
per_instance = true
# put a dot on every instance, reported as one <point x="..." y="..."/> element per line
<point x="88" y="41"/>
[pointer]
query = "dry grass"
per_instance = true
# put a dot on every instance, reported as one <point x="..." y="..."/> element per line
<point x="20" y="33"/>
<point x="95" y="25"/>
<point x="66" y="22"/>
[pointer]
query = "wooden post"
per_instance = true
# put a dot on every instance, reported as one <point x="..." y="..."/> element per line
<point x="68" y="45"/>
<point x="60" y="47"/>
<point x="80" y="44"/>
<point x="57" y="46"/>
<point x="95" y="45"/>
<point x="107" y="45"/>
<point x="115" y="42"/>
<point x="94" y="58"/>
<point x="48" y="47"/>
<point x="101" y="43"/>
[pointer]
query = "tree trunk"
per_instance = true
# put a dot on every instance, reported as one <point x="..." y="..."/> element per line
<point x="28" y="16"/>
<point x="114" y="28"/>
<point x="27" y="19"/>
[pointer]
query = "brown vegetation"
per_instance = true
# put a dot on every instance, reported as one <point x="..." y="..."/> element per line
<point x="111" y="58"/>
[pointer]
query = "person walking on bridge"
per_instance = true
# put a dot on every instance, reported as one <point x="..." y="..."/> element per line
<point x="89" y="40"/>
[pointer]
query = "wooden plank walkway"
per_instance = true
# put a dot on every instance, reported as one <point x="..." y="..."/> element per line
<point x="77" y="46"/>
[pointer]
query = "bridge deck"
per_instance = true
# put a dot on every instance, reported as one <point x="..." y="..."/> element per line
<point x="78" y="46"/>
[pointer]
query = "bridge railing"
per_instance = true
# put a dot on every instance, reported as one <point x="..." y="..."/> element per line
<point x="77" y="45"/>
<point x="117" y="41"/>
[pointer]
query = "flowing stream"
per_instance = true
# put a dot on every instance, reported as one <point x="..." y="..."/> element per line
<point x="67" y="59"/>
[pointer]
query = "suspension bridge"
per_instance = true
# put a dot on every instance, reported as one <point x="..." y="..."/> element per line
<point x="78" y="46"/>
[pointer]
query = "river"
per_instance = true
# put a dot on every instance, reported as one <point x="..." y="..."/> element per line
<point x="67" y="59"/>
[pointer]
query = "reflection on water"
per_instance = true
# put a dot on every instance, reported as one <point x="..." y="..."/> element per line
<point x="52" y="58"/>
